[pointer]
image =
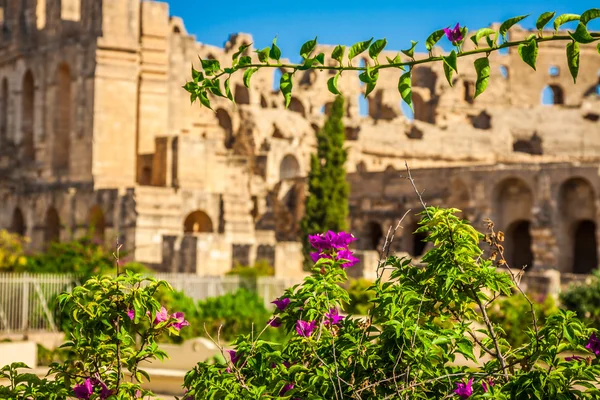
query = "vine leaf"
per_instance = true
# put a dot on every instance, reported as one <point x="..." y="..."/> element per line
<point x="228" y="90"/>
<point x="247" y="75"/>
<point x="598" y="48"/>
<point x="358" y="48"/>
<point x="410" y="52"/>
<point x="543" y="20"/>
<point x="395" y="60"/>
<point x="405" y="88"/>
<point x="564" y="18"/>
<point x="196" y="75"/>
<point x="204" y="99"/>
<point x="332" y="84"/>
<point x="285" y="84"/>
<point x="582" y="35"/>
<point x="482" y="66"/>
<point x="376" y="48"/>
<point x="275" y="52"/>
<point x="433" y="39"/>
<point x="450" y="65"/>
<point x="338" y="53"/>
<point x="573" y="59"/>
<point x="589" y="15"/>
<point x="529" y="52"/>
<point x="308" y="47"/>
<point x="245" y="60"/>
<point x="215" y="88"/>
<point x="484" y="32"/>
<point x="263" y="55"/>
<point x="210" y="67"/>
<point x="506" y="25"/>
<point x="241" y="49"/>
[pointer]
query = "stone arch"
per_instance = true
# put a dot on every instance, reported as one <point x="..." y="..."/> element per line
<point x="469" y="91"/>
<point x="97" y="224"/>
<point x="4" y="111"/>
<point x="373" y="234"/>
<point x="421" y="109"/>
<point x="554" y="71"/>
<point x="424" y="77"/>
<point x="176" y="30"/>
<point x="576" y="205"/>
<point x="17" y="224"/>
<point x="227" y="125"/>
<point x="263" y="101"/>
<point x="459" y="196"/>
<point x="52" y="228"/>
<point x="63" y="119"/>
<point x="242" y="94"/>
<point x="289" y="167"/>
<point x="553" y="94"/>
<point x="28" y="117"/>
<point x="517" y="245"/>
<point x="297" y="106"/>
<point x="512" y="201"/>
<point x="198" y="222"/>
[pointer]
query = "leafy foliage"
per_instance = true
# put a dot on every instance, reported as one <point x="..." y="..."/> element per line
<point x="584" y="300"/>
<point x="12" y="256"/>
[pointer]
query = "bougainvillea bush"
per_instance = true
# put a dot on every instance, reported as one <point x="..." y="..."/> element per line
<point x="427" y="336"/>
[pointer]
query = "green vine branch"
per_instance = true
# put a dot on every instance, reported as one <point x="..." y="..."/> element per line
<point x="207" y="81"/>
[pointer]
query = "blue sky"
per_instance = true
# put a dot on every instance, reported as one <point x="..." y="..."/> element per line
<point x="348" y="21"/>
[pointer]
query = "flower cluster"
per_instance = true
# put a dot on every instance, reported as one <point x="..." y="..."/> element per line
<point x="85" y="390"/>
<point x="594" y="345"/>
<point x="454" y="35"/>
<point x="333" y="246"/>
<point x="162" y="316"/>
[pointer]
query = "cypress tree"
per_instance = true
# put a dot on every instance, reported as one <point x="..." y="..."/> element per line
<point x="326" y="206"/>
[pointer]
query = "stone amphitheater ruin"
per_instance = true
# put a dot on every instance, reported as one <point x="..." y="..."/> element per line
<point x="95" y="130"/>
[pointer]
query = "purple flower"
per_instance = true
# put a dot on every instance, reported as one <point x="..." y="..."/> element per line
<point x="316" y="256"/>
<point x="286" y="388"/>
<point x="161" y="316"/>
<point x="281" y="303"/>
<point x="349" y="257"/>
<point x="454" y="35"/>
<point x="181" y="322"/>
<point x="332" y="317"/>
<point x="464" y="390"/>
<point x="573" y="358"/>
<point x="234" y="356"/>
<point x="275" y="322"/>
<point x="287" y="364"/>
<point x="305" y="328"/>
<point x="342" y="240"/>
<point x="487" y="384"/>
<point x="322" y="241"/>
<point x="105" y="392"/>
<point x="85" y="390"/>
<point x="131" y="314"/>
<point x="594" y="345"/>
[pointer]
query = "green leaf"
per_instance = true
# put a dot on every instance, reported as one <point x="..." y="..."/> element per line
<point x="598" y="48"/>
<point x="563" y="19"/>
<point x="450" y="59"/>
<point x="215" y="88"/>
<point x="210" y="67"/>
<point x="308" y="47"/>
<point x="196" y="75"/>
<point x="448" y="72"/>
<point x="376" y="48"/>
<point x="320" y="58"/>
<point x="528" y="52"/>
<point x="483" y="32"/>
<point x="395" y="60"/>
<point x="332" y="84"/>
<point x="204" y="99"/>
<point x="241" y="49"/>
<point x="482" y="66"/>
<point x="368" y="76"/>
<point x="263" y="55"/>
<point x="338" y="53"/>
<point x="245" y="60"/>
<point x="275" y="52"/>
<point x="373" y="76"/>
<point x="543" y="20"/>
<point x="405" y="88"/>
<point x="358" y="48"/>
<point x="573" y="59"/>
<point x="370" y="87"/>
<point x="285" y="85"/>
<point x="227" y="92"/>
<point x="248" y="74"/>
<point x="589" y="15"/>
<point x="433" y="39"/>
<point x="410" y="52"/>
<point x="506" y="25"/>
<point x="582" y="35"/>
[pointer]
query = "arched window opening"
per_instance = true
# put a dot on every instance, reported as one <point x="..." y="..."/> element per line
<point x="198" y="222"/>
<point x="61" y="147"/>
<point x="554" y="71"/>
<point x="512" y="201"/>
<point x="28" y="117"/>
<point x="373" y="236"/>
<point x="362" y="63"/>
<point x="504" y="71"/>
<point x="277" y="74"/>
<point x="553" y="94"/>
<point x="97" y="225"/>
<point x="422" y="111"/>
<point x="263" y="101"/>
<point x="242" y="94"/>
<point x="483" y="120"/>
<point x="4" y="111"/>
<point x="225" y="123"/>
<point x="424" y="77"/>
<point x="289" y="168"/>
<point x="518" y="251"/>
<point x="176" y="30"/>
<point x="407" y="111"/>
<point x="585" y="247"/>
<point x="52" y="228"/>
<point x="17" y="224"/>
<point x="459" y="197"/>
<point x="297" y="106"/>
<point x="363" y="106"/>
<point x="469" y="88"/>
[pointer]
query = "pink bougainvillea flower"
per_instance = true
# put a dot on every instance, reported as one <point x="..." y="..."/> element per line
<point x="574" y="358"/>
<point x="322" y="241"/>
<point x="593" y="345"/>
<point x="286" y="388"/>
<point x="281" y="304"/>
<point x="181" y="322"/>
<point x="487" y="384"/>
<point x="105" y="392"/>
<point x="333" y="317"/>
<point x="234" y="356"/>
<point x="138" y="394"/>
<point x="287" y="364"/>
<point x="161" y="316"/>
<point x="454" y="35"/>
<point x="305" y="328"/>
<point x="275" y="322"/>
<point x="349" y="257"/>
<point x="464" y="390"/>
<point x="342" y="240"/>
<point x="131" y="314"/>
<point x="316" y="256"/>
<point x="84" y="390"/>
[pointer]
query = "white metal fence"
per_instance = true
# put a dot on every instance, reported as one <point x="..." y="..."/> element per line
<point x="27" y="300"/>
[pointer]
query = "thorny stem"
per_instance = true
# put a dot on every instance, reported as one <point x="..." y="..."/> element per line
<point x="117" y="321"/>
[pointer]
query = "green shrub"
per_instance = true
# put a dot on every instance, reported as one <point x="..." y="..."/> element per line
<point x="360" y="297"/>
<point x="260" y="268"/>
<point x="584" y="299"/>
